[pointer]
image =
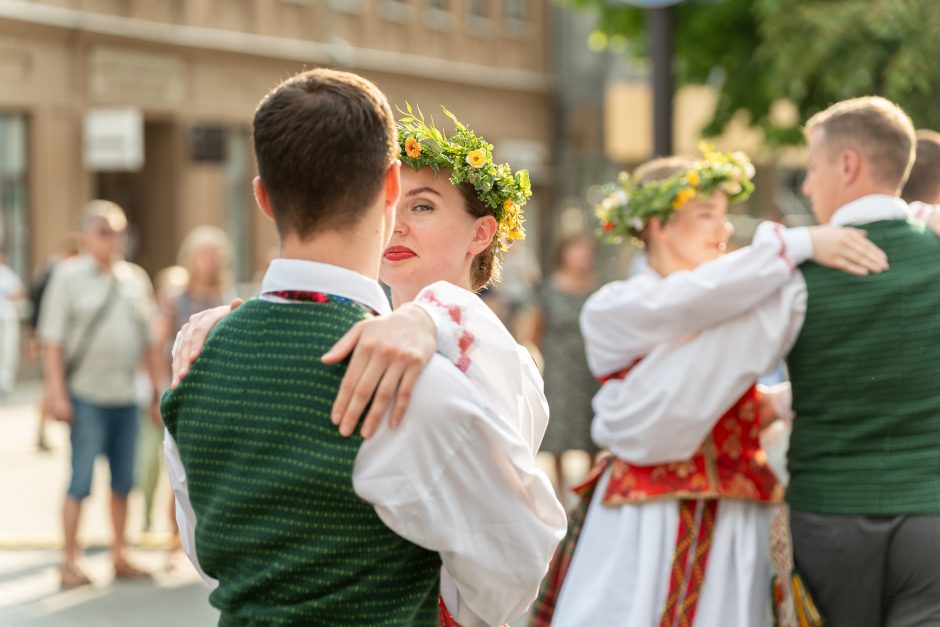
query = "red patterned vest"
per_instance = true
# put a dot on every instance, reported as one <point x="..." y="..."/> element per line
<point x="729" y="464"/>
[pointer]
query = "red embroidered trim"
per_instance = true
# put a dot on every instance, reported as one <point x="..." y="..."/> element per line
<point x="465" y="340"/>
<point x="620" y="374"/>
<point x="444" y="616"/>
<point x="778" y="231"/>
<point x="693" y="544"/>
<point x="306" y="296"/>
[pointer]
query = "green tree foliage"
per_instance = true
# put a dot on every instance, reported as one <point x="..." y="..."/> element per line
<point x="812" y="52"/>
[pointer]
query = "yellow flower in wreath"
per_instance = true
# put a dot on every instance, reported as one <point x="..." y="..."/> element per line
<point x="684" y="196"/>
<point x="476" y="159"/>
<point x="508" y="206"/>
<point x="412" y="148"/>
<point x="693" y="178"/>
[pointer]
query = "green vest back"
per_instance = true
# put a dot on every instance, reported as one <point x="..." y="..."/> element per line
<point x="270" y="479"/>
<point x="866" y="383"/>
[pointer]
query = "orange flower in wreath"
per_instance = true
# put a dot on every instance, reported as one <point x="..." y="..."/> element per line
<point x="412" y="148"/>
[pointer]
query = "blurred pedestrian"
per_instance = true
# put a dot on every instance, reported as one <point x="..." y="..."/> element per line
<point x="202" y="280"/>
<point x="95" y="327"/>
<point x="169" y="283"/>
<point x="923" y="184"/>
<point x="70" y="248"/>
<point x="569" y="384"/>
<point x="11" y="293"/>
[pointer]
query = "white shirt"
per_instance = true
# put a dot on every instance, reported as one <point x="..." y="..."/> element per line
<point x="752" y="303"/>
<point x="454" y="477"/>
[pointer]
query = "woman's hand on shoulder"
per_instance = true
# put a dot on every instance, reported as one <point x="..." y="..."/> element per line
<point x="192" y="337"/>
<point x="847" y="249"/>
<point x="388" y="355"/>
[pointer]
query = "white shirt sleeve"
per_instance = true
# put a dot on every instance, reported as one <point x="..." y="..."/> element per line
<point x="625" y="320"/>
<point x="456" y="478"/>
<point x="475" y="340"/>
<point x="669" y="402"/>
<point x="185" y="516"/>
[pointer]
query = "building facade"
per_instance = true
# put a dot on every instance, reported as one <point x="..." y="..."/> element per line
<point x="149" y="103"/>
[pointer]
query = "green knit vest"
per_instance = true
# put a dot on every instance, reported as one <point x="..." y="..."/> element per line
<point x="866" y="383"/>
<point x="270" y="479"/>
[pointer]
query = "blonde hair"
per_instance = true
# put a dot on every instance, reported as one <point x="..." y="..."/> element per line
<point x="877" y="128"/>
<point x="169" y="283"/>
<point x="203" y="237"/>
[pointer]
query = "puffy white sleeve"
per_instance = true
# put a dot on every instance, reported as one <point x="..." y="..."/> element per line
<point x="456" y="478"/>
<point x="476" y="341"/>
<point x="625" y="320"/>
<point x="185" y="515"/>
<point x="666" y="405"/>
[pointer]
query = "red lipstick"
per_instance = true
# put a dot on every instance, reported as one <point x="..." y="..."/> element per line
<point x="399" y="253"/>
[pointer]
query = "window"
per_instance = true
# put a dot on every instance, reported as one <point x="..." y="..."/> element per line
<point x="396" y="11"/>
<point x="13" y="192"/>
<point x="438" y="16"/>
<point x="477" y="8"/>
<point x="515" y="10"/>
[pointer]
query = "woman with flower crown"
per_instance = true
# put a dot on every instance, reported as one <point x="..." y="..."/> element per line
<point x="458" y="211"/>
<point x="674" y="525"/>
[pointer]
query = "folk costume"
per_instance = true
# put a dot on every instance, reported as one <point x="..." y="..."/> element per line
<point x="863" y="479"/>
<point x="441" y="499"/>
<point x="674" y="526"/>
<point x="295" y="524"/>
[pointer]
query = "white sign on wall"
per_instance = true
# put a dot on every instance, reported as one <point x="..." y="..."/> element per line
<point x="114" y="139"/>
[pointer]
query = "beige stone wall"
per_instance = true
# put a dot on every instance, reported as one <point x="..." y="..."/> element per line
<point x="492" y="73"/>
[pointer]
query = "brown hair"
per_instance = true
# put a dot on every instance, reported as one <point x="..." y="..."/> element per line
<point x="567" y="242"/>
<point x="324" y="140"/>
<point x="486" y="265"/>
<point x="923" y="184"/>
<point x="877" y="128"/>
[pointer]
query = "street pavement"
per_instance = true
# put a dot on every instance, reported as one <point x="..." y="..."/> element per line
<point x="32" y="485"/>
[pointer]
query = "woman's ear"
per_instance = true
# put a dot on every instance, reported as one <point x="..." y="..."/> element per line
<point x="484" y="230"/>
<point x="654" y="229"/>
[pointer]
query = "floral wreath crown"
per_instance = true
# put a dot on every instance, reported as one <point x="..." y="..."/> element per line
<point x="470" y="160"/>
<point x="628" y="206"/>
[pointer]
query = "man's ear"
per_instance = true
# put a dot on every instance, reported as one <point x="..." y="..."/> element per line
<point x="850" y="165"/>
<point x="393" y="184"/>
<point x="483" y="234"/>
<point x="262" y="198"/>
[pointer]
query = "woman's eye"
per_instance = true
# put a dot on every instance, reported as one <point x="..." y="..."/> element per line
<point x="422" y="208"/>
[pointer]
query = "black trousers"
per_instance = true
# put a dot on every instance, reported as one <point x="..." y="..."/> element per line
<point x="870" y="571"/>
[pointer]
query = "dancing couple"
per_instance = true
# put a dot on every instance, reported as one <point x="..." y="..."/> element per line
<point x="437" y="514"/>
<point x="674" y="526"/>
